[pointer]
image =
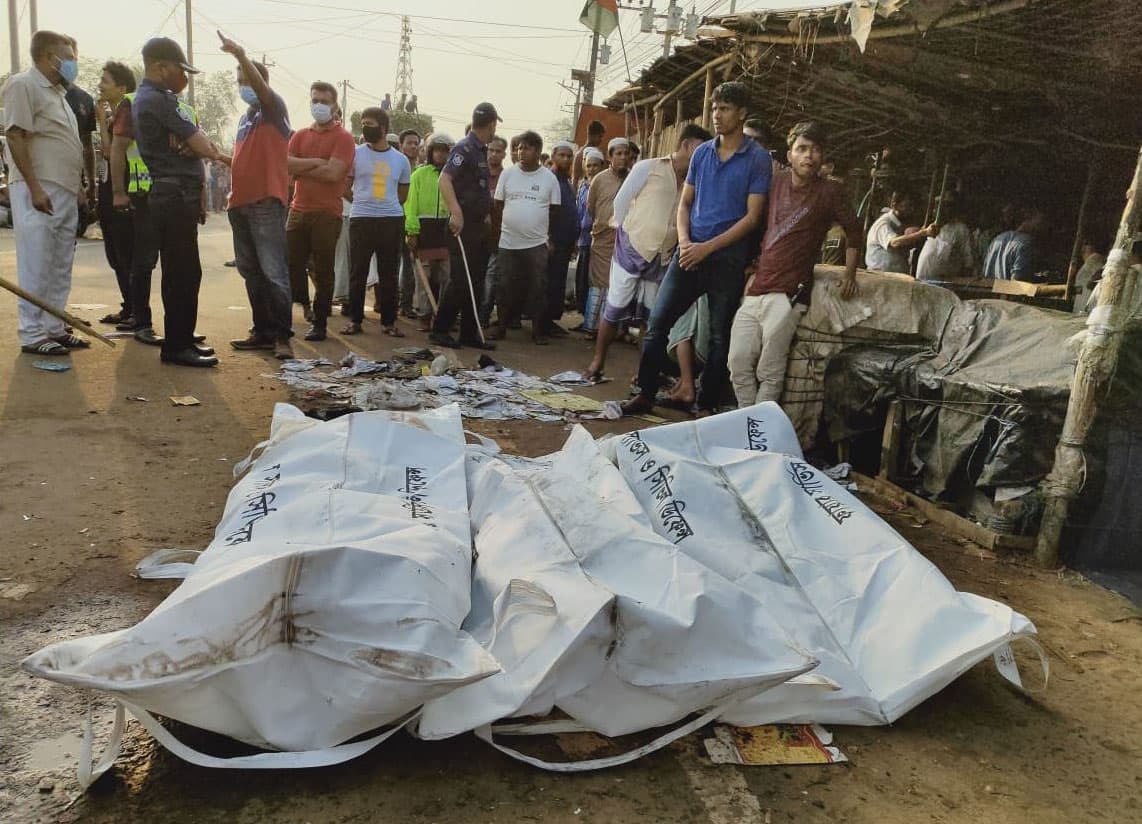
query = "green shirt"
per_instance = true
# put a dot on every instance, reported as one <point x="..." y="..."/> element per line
<point x="424" y="198"/>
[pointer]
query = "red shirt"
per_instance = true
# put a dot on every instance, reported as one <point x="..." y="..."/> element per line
<point x="315" y="195"/>
<point x="260" y="170"/>
<point x="798" y="220"/>
<point x="121" y="125"/>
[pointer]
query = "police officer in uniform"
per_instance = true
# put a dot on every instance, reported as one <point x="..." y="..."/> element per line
<point x="173" y="148"/>
<point x="464" y="185"/>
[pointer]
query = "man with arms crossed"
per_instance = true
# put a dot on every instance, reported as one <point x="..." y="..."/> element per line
<point x="722" y="202"/>
<point x="802" y="207"/>
<point x="319" y="159"/>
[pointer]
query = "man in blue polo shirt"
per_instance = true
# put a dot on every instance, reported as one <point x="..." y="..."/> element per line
<point x="464" y="185"/>
<point x="722" y="203"/>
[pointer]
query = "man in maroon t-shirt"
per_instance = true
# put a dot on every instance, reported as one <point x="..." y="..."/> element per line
<point x="803" y="205"/>
<point x="319" y="160"/>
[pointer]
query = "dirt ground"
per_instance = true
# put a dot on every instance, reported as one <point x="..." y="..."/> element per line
<point x="90" y="482"/>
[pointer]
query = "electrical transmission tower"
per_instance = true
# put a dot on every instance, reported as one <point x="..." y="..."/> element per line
<point x="402" y="87"/>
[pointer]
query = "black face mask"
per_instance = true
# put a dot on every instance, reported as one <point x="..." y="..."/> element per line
<point x="372" y="133"/>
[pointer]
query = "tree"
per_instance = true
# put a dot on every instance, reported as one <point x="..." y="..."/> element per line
<point x="398" y="122"/>
<point x="215" y="99"/>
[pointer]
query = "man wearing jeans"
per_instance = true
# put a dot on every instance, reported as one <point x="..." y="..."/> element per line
<point x="802" y="206"/>
<point x="722" y="202"/>
<point x="257" y="207"/>
<point x="319" y="157"/>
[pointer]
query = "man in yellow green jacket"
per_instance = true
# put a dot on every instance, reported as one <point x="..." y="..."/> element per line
<point x="426" y="225"/>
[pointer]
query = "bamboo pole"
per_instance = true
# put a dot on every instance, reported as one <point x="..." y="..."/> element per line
<point x="708" y="70"/>
<point x="943" y="191"/>
<point x="1093" y="373"/>
<point x="80" y="324"/>
<point x="654" y="148"/>
<point x="931" y="196"/>
<point x="1076" y="250"/>
<point x="706" y="101"/>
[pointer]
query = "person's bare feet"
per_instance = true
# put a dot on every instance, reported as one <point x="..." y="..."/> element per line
<point x="682" y="393"/>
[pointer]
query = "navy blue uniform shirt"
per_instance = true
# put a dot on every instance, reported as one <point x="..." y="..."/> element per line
<point x="160" y="126"/>
<point x="468" y="167"/>
<point x="83" y="107"/>
<point x="565" y="230"/>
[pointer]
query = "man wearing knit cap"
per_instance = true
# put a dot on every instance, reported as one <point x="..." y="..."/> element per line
<point x="593" y="163"/>
<point x="600" y="205"/>
<point x="564" y="235"/>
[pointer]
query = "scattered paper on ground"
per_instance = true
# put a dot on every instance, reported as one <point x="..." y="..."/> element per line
<point x="773" y="744"/>
<point x="185" y="400"/>
<point x="566" y="400"/>
<point x="52" y="366"/>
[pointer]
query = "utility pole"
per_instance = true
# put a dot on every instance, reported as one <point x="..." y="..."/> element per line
<point x="14" y="35"/>
<point x="189" y="52"/>
<point x="589" y="86"/>
<point x="344" y="100"/>
<point x="33" y="16"/>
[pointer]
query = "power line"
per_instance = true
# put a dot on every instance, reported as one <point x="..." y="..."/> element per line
<point x="419" y="16"/>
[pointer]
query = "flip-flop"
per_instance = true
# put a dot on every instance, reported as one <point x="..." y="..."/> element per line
<point x="392" y="332"/>
<point x="73" y="341"/>
<point x="593" y="377"/>
<point x="45" y="347"/>
<point x="352" y="329"/>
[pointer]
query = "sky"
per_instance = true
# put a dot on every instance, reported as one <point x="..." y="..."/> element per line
<point x="514" y="53"/>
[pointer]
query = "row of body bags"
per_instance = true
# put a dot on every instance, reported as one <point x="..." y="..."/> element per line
<point x="375" y="572"/>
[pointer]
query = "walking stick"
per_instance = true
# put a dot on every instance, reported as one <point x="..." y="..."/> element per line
<point x="420" y="273"/>
<point x="471" y="290"/>
<point x="82" y="325"/>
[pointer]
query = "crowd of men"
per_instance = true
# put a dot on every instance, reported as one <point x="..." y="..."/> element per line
<point x="712" y="245"/>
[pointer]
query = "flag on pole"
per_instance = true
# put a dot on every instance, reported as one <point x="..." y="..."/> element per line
<point x="600" y="16"/>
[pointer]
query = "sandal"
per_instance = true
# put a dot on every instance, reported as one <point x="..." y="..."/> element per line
<point x="351" y="329"/>
<point x="593" y="377"/>
<point x="392" y="331"/>
<point x="45" y="347"/>
<point x="114" y="317"/>
<point x="73" y="341"/>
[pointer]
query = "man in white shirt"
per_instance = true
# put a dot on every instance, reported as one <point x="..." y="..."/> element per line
<point x="527" y="197"/>
<point x="888" y="242"/>
<point x="45" y="159"/>
<point x="951" y="253"/>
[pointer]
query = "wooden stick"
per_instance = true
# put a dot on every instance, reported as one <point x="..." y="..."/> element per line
<point x="82" y="325"/>
<point x="1073" y="268"/>
<point x="931" y="197"/>
<point x="424" y="281"/>
<point x="1093" y="375"/>
<point x="943" y="190"/>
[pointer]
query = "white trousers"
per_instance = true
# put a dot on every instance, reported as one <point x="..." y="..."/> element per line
<point x="759" y="347"/>
<point x="45" y="251"/>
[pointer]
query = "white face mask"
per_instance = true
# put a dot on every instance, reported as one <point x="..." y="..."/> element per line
<point x="322" y="112"/>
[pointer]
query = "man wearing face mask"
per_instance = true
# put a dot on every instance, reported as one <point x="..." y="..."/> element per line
<point x="258" y="202"/>
<point x="173" y="149"/>
<point x="84" y="107"/>
<point x="319" y="159"/>
<point x="45" y="159"/>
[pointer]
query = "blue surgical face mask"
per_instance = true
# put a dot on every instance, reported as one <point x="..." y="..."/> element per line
<point x="68" y="70"/>
<point x="322" y="112"/>
<point x="248" y="95"/>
